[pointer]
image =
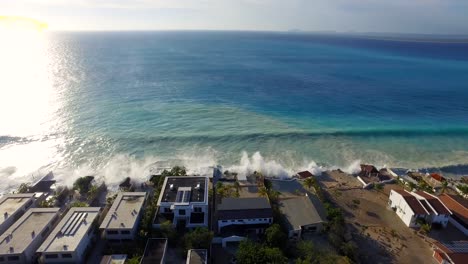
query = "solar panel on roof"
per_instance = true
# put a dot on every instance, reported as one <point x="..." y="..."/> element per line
<point x="179" y="196"/>
<point x="186" y="198"/>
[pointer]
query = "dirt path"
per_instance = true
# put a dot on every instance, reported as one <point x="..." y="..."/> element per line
<point x="381" y="235"/>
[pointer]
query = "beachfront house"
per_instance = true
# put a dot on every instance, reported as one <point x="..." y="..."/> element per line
<point x="121" y="222"/>
<point x="12" y="207"/>
<point x="304" y="175"/>
<point x="18" y="244"/>
<point x="454" y="252"/>
<point x="438" y="212"/>
<point x="71" y="238"/>
<point x="459" y="208"/>
<point x="407" y="207"/>
<point x="247" y="214"/>
<point x="183" y="201"/>
<point x="301" y="216"/>
<point x="369" y="176"/>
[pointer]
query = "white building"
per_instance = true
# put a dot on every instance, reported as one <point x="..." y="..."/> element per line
<point x="438" y="212"/>
<point x="183" y="201"/>
<point x="18" y="244"/>
<point x="121" y="222"/>
<point x="12" y="207"/>
<point x="71" y="238"/>
<point x="245" y="214"/>
<point x="407" y="207"/>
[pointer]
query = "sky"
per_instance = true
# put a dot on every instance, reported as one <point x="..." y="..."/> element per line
<point x="395" y="16"/>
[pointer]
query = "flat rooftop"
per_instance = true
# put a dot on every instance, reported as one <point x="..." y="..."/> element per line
<point x="124" y="211"/>
<point x="299" y="211"/>
<point x="184" y="189"/>
<point x="197" y="256"/>
<point x="154" y="251"/>
<point x="67" y="235"/>
<point x="10" y="203"/>
<point x="27" y="229"/>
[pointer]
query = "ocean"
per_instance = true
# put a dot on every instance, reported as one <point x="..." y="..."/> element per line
<point x="117" y="104"/>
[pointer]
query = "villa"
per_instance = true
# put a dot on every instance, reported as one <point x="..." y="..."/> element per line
<point x="459" y="208"/>
<point x="12" y="207"/>
<point x="183" y="201"/>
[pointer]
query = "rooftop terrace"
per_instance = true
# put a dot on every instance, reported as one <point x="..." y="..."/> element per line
<point x="184" y="189"/>
<point x="32" y="226"/>
<point x="10" y="203"/>
<point x="124" y="211"/>
<point x="68" y="234"/>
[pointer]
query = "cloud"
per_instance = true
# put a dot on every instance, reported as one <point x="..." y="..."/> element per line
<point x="415" y="16"/>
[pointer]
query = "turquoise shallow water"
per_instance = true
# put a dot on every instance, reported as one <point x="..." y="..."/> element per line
<point x="112" y="104"/>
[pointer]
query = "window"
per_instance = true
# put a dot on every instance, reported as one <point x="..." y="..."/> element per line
<point x="13" y="258"/>
<point x="112" y="232"/>
<point x="29" y="203"/>
<point x="2" y="259"/>
<point x="125" y="232"/>
<point x="67" y="255"/>
<point x="181" y="212"/>
<point x="51" y="256"/>
<point x="224" y="221"/>
<point x="167" y="210"/>
<point x="197" y="209"/>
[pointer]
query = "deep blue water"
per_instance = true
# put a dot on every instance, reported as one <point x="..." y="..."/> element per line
<point x="205" y="97"/>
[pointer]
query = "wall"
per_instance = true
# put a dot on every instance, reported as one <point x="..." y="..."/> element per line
<point x="403" y="210"/>
<point x="254" y="221"/>
<point x="458" y="226"/>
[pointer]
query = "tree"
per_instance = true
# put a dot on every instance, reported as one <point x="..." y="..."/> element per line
<point x="263" y="192"/>
<point x="83" y="184"/>
<point x="168" y="231"/>
<point x="463" y="189"/>
<point x="444" y="186"/>
<point x="23" y="188"/>
<point x="309" y="182"/>
<point x="134" y="260"/>
<point x="254" y="253"/>
<point x="200" y="237"/>
<point x="425" y="229"/>
<point x="275" y="237"/>
<point x="79" y="204"/>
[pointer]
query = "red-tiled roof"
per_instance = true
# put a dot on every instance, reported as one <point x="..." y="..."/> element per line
<point x="434" y="202"/>
<point x="457" y="205"/>
<point x="437" y="177"/>
<point x="457" y="251"/>
<point x="305" y="174"/>
<point x="415" y="205"/>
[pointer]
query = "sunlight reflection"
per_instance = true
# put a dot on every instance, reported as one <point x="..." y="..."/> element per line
<point x="25" y="86"/>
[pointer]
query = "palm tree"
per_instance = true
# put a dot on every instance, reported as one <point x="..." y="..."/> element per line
<point x="444" y="186"/>
<point x="263" y="192"/>
<point x="309" y="182"/>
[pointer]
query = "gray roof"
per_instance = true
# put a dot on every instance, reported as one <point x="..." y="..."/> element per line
<point x="244" y="204"/>
<point x="31" y="228"/>
<point x="70" y="231"/>
<point x="124" y="211"/>
<point x="10" y="203"/>
<point x="299" y="212"/>
<point x="244" y="208"/>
